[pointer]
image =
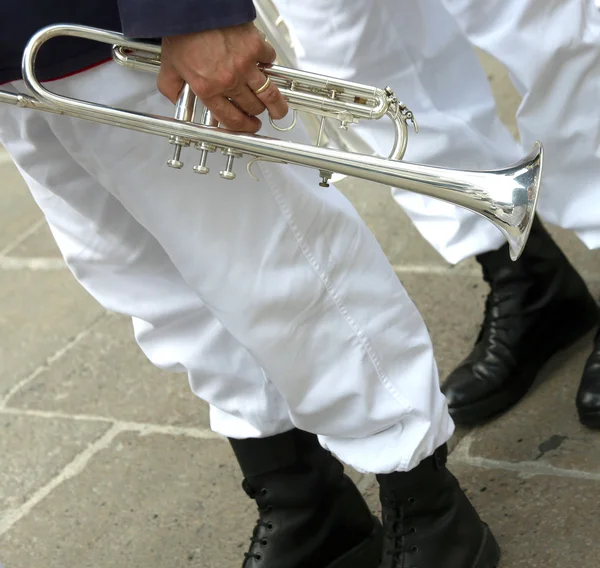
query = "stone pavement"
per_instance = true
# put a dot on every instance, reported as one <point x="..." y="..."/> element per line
<point x="108" y="462"/>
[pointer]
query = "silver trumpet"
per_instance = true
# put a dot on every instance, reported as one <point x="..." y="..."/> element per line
<point x="506" y="197"/>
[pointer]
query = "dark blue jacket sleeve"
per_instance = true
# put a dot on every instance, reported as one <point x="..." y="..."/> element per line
<point x="160" y="18"/>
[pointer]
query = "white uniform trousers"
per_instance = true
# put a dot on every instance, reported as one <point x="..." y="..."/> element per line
<point x="551" y="48"/>
<point x="274" y="297"/>
<point x="420" y="50"/>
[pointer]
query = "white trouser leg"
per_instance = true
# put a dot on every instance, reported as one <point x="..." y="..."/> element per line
<point x="552" y="51"/>
<point x="417" y="49"/>
<point x="289" y="269"/>
<point x="123" y="267"/>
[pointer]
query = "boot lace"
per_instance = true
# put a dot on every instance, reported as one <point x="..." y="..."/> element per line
<point x="492" y="320"/>
<point x="258" y="538"/>
<point x="499" y="318"/>
<point x="396" y="529"/>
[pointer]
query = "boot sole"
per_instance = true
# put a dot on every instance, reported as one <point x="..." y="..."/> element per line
<point x="590" y="420"/>
<point x="478" y="412"/>
<point x="489" y="553"/>
<point x="366" y="554"/>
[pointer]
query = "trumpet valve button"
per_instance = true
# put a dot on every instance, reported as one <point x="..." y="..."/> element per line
<point x="175" y="161"/>
<point x="325" y="177"/>
<point x="227" y="174"/>
<point x="201" y="168"/>
<point x="176" y="164"/>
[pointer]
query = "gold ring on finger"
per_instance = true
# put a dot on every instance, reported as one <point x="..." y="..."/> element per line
<point x="264" y="87"/>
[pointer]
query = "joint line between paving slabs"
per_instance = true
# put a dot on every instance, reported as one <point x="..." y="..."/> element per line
<point x="430" y="269"/>
<point x="79" y="463"/>
<point x="142" y="428"/>
<point x="35" y="264"/>
<point x="526" y="468"/>
<point x="462" y="456"/>
<point x="22" y="237"/>
<point x="76" y="466"/>
<point x="50" y="360"/>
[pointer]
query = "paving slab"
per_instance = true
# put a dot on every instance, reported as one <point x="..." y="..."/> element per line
<point x="507" y="97"/>
<point x="539" y="521"/>
<point x="106" y="374"/>
<point x="156" y="500"/>
<point x="40" y="312"/>
<point x="40" y="244"/>
<point x="34" y="450"/>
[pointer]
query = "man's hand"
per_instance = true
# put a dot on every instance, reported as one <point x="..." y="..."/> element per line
<point x="221" y="68"/>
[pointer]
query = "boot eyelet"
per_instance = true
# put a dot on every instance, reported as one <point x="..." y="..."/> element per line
<point x="411" y="500"/>
<point x="270" y="526"/>
<point x="258" y="556"/>
<point x="413" y="530"/>
<point x="414" y="548"/>
<point x="264" y="542"/>
<point x="263" y="491"/>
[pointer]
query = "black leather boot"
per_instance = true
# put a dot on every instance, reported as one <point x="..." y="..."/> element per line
<point x="537" y="306"/>
<point x="429" y="522"/>
<point x="588" y="395"/>
<point x="311" y="514"/>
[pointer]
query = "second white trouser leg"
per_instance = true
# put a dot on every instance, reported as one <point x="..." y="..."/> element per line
<point x="289" y="269"/>
<point x="552" y="51"/>
<point x="418" y="50"/>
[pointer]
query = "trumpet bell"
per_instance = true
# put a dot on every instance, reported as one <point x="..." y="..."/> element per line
<point x="513" y="215"/>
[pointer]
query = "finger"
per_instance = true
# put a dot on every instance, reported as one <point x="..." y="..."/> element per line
<point x="247" y="101"/>
<point x="266" y="52"/>
<point x="232" y="117"/>
<point x="271" y="96"/>
<point x="169" y="83"/>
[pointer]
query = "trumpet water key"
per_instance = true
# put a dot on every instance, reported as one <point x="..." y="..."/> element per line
<point x="507" y="197"/>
